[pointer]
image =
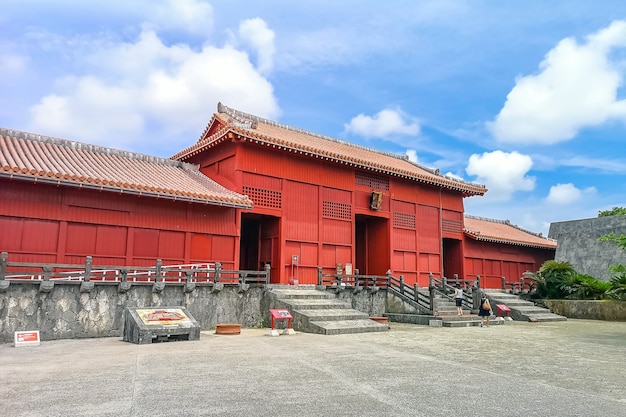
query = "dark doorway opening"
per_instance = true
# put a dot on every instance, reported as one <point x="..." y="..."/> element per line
<point x="259" y="244"/>
<point x="371" y="247"/>
<point x="452" y="259"/>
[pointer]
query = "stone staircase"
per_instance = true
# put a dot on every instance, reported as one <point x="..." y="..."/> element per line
<point x="444" y="315"/>
<point x="316" y="311"/>
<point x="445" y="310"/>
<point x="521" y="309"/>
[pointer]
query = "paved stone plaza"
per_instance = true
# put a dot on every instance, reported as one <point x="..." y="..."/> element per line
<point x="573" y="368"/>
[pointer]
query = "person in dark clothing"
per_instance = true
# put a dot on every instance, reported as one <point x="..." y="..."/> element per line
<point x="484" y="310"/>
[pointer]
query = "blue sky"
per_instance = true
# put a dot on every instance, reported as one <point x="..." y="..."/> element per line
<point x="524" y="97"/>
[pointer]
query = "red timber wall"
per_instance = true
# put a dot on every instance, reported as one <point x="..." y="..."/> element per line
<point x="45" y="223"/>
<point x="325" y="217"/>
<point x="492" y="261"/>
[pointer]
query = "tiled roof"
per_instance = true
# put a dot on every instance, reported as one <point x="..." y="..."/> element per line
<point x="502" y="231"/>
<point x="291" y="139"/>
<point x="38" y="158"/>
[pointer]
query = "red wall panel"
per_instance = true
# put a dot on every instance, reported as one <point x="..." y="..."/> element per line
<point x="28" y="235"/>
<point x="492" y="261"/>
<point x="224" y="249"/>
<point x="336" y="231"/>
<point x="146" y="243"/>
<point x="428" y="229"/>
<point x="111" y="240"/>
<point x="81" y="239"/>
<point x="201" y="247"/>
<point x="172" y="245"/>
<point x="301" y="212"/>
<point x="428" y="196"/>
<point x="404" y="239"/>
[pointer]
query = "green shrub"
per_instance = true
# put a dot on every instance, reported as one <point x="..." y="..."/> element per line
<point x="618" y="282"/>
<point x="552" y="278"/>
<point x="586" y="287"/>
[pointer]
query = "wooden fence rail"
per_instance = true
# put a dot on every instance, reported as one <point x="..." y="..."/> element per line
<point x="204" y="273"/>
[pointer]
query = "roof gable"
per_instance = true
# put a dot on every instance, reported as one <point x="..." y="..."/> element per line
<point x="227" y="123"/>
<point x="30" y="157"/>
<point x="502" y="231"/>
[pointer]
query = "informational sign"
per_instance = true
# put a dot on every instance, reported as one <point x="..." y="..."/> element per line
<point x="348" y="269"/>
<point x="294" y="259"/>
<point x="162" y="316"/>
<point x="27" y="338"/>
<point x="159" y="324"/>
<point x="281" y="314"/>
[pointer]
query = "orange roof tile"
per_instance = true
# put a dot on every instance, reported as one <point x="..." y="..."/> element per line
<point x="281" y="136"/>
<point x="502" y="231"/>
<point x="38" y="158"/>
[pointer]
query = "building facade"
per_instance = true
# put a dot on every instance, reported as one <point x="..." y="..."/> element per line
<point x="319" y="201"/>
<point x="250" y="193"/>
<point x="63" y="201"/>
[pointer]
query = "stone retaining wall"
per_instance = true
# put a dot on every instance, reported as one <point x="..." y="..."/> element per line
<point x="589" y="309"/>
<point x="67" y="313"/>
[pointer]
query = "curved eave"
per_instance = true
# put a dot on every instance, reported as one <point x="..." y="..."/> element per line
<point x="129" y="189"/>
<point x="508" y="242"/>
<point x="279" y="144"/>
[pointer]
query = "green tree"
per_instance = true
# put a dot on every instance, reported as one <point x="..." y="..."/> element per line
<point x="618" y="281"/>
<point x="614" y="211"/>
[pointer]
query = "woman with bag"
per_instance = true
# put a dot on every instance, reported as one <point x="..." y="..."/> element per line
<point x="484" y="310"/>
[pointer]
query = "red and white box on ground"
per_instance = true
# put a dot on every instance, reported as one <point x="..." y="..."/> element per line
<point x="27" y="338"/>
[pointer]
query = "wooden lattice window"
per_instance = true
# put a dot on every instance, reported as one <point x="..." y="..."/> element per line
<point x="333" y="210"/>
<point x="451" y="226"/>
<point x="375" y="182"/>
<point x="404" y="220"/>
<point x="264" y="198"/>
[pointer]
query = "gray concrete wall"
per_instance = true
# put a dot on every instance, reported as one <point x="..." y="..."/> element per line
<point x="66" y="313"/>
<point x="589" y="309"/>
<point x="578" y="244"/>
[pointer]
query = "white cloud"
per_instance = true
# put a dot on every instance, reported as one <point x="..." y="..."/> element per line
<point x="94" y="110"/>
<point x="563" y="194"/>
<point x="135" y="86"/>
<point x="384" y="123"/>
<point x="453" y="176"/>
<point x="576" y="88"/>
<point x="190" y="16"/>
<point x="412" y="154"/>
<point x="503" y="173"/>
<point x="12" y="65"/>
<point x="254" y="32"/>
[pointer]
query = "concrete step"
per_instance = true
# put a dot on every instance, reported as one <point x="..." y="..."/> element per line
<point x="335" y="327"/>
<point x="315" y="303"/>
<point x="317" y="311"/>
<point x="546" y="317"/>
<point x="327" y="314"/>
<point x="512" y="303"/>
<point x="287" y="293"/>
<point x="521" y="309"/>
<point x="470" y="323"/>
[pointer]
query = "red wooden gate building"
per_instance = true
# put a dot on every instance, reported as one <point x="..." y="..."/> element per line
<point x="249" y="193"/>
